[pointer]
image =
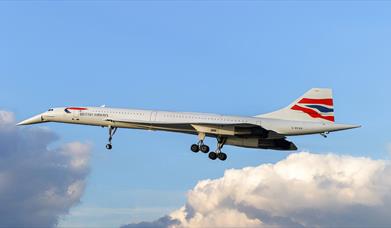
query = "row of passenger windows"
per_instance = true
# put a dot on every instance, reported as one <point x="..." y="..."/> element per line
<point x="124" y="113"/>
<point x="198" y="117"/>
<point x="171" y="116"/>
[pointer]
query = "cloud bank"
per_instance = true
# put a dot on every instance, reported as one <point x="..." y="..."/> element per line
<point x="38" y="183"/>
<point x="304" y="190"/>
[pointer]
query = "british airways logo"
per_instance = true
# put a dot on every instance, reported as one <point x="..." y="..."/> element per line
<point x="316" y="108"/>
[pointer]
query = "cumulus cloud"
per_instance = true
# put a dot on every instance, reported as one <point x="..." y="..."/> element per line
<point x="38" y="183"/>
<point x="304" y="190"/>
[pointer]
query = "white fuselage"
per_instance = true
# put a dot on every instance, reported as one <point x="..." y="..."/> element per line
<point x="250" y="132"/>
<point x="173" y="121"/>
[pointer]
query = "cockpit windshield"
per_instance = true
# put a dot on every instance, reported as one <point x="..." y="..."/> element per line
<point x="50" y="110"/>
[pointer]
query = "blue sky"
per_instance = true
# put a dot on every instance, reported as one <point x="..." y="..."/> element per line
<point x="241" y="58"/>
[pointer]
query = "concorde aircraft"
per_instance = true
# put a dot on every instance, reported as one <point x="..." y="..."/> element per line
<point x="313" y="113"/>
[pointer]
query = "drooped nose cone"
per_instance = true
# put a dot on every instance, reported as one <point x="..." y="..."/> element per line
<point x="33" y="120"/>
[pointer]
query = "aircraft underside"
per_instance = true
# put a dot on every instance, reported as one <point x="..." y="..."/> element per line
<point x="242" y="137"/>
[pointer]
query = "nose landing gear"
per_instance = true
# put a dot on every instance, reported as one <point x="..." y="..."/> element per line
<point x="112" y="131"/>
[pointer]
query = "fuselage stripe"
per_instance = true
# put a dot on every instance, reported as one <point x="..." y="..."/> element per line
<point x="76" y="108"/>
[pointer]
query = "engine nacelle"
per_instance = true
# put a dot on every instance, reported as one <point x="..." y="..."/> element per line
<point x="276" y="144"/>
<point x="243" y="142"/>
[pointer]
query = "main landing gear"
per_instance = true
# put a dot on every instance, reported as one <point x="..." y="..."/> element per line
<point x="218" y="153"/>
<point x="112" y="131"/>
<point x="200" y="146"/>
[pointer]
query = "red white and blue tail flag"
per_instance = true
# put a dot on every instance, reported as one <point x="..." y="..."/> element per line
<point x="316" y="105"/>
<point x="316" y="108"/>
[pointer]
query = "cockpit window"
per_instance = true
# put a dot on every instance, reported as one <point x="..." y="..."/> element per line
<point x="50" y="110"/>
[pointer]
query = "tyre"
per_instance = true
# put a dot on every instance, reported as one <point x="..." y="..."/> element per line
<point x="195" y="148"/>
<point x="212" y="155"/>
<point x="222" y="156"/>
<point x="204" y="149"/>
<point x="109" y="146"/>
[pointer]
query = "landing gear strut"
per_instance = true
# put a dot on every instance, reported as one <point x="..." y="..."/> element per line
<point x="324" y="134"/>
<point x="112" y="131"/>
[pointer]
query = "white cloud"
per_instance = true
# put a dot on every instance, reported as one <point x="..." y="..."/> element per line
<point x="79" y="154"/>
<point x="304" y="190"/>
<point x="219" y="217"/>
<point x="6" y="118"/>
<point x="38" y="184"/>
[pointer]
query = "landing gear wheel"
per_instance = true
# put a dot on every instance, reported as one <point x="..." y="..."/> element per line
<point x="222" y="156"/>
<point x="195" y="148"/>
<point x="109" y="146"/>
<point x="204" y="149"/>
<point x="212" y="155"/>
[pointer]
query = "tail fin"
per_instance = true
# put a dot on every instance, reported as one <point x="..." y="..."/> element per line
<point x="316" y="105"/>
